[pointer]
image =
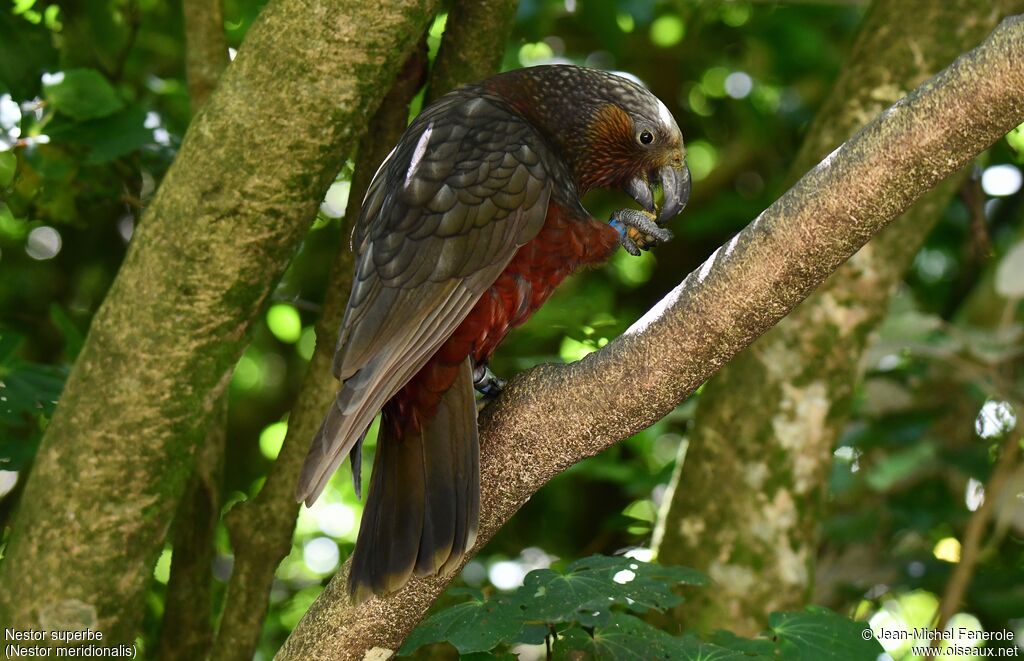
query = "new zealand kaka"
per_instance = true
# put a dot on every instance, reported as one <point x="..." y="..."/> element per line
<point x="466" y="229"/>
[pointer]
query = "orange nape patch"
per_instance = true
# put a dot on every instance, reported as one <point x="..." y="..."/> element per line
<point x="612" y="154"/>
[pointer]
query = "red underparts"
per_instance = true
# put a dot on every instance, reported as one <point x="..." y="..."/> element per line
<point x="562" y="246"/>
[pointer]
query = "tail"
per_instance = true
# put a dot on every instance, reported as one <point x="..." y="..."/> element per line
<point x="424" y="502"/>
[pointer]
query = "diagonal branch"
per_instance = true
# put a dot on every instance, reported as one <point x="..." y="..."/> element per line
<point x="784" y="401"/>
<point x="187" y="626"/>
<point x="555" y="415"/>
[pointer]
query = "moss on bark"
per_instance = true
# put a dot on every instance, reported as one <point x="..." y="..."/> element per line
<point x="247" y="181"/>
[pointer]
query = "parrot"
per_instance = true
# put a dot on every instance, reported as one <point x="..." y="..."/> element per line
<point x="467" y="227"/>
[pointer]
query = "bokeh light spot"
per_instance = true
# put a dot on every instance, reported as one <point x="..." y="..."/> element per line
<point x="336" y="199"/>
<point x="702" y="157"/>
<point x="43" y="243"/>
<point x="738" y="84"/>
<point x="307" y="343"/>
<point x="1001" y="180"/>
<point x="667" y="31"/>
<point x="947" y="549"/>
<point x="284" y="322"/>
<point x="321" y="554"/>
<point x="272" y="438"/>
<point x="506" y="574"/>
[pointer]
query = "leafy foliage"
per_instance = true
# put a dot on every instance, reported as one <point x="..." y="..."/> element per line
<point x="590" y="611"/>
<point x="82" y="94"/>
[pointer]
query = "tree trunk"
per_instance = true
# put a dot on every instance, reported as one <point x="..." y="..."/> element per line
<point x="247" y="182"/>
<point x="555" y="415"/>
<point x="767" y="423"/>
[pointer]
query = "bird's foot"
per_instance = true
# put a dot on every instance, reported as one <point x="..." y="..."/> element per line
<point x="638" y="231"/>
<point x="486" y="382"/>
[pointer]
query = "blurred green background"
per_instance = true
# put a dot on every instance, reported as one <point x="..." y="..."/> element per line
<point x="83" y="147"/>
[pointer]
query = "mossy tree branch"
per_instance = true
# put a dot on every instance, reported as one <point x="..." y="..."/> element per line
<point x="187" y="627"/>
<point x="206" y="48"/>
<point x="244" y="188"/>
<point x="767" y="423"/>
<point x="555" y="415"/>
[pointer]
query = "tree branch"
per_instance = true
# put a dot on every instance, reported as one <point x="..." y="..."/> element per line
<point x="555" y="415"/>
<point x="187" y="631"/>
<point x="206" y="48"/>
<point x="187" y="626"/>
<point x="472" y="46"/>
<point x="247" y="182"/>
<point x="960" y="579"/>
<point x="767" y="423"/>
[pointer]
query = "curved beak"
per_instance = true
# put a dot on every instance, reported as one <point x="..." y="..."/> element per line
<point x="640" y="190"/>
<point x="675" y="184"/>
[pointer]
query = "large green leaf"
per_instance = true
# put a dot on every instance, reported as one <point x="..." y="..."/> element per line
<point x="589" y="587"/>
<point x="83" y="94"/>
<point x="628" y="638"/>
<point x="583" y="594"/>
<point x="477" y="625"/>
<point x="818" y="634"/>
<point x="108" y="137"/>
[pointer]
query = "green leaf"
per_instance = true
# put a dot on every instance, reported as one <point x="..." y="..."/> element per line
<point x="627" y="638"/>
<point x="73" y="338"/>
<point x="818" y="634"/>
<point x="583" y="595"/>
<point x="752" y="648"/>
<point x="25" y="51"/>
<point x="473" y="626"/>
<point x="9" y="343"/>
<point x="107" y="138"/>
<point x="8" y="166"/>
<point x="590" y="586"/>
<point x="83" y="94"/>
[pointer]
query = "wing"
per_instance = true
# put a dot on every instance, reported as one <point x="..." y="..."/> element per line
<point x="466" y="186"/>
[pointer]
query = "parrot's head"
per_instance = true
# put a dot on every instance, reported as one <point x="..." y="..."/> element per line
<point x="612" y="132"/>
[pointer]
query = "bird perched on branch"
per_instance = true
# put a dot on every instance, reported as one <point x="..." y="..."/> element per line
<point x="467" y="228"/>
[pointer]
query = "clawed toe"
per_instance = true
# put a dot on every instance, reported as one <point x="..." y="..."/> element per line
<point x="638" y="231"/>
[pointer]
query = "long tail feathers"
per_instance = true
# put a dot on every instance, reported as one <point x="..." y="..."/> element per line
<point x="424" y="502"/>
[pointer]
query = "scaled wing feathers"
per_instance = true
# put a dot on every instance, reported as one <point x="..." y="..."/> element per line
<point x="465" y="187"/>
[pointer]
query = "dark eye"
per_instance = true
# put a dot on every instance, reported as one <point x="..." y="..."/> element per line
<point x="646" y="137"/>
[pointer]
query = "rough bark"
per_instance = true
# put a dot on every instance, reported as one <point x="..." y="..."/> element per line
<point x="473" y="43"/>
<point x="767" y="423"/>
<point x="206" y="48"/>
<point x="555" y="415"/>
<point x="187" y="631"/>
<point x="252" y="169"/>
<point x="261" y="529"/>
